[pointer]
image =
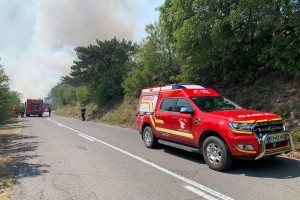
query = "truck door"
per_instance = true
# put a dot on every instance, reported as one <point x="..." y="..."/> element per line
<point x="172" y="124"/>
<point x="182" y="123"/>
<point x="163" y="118"/>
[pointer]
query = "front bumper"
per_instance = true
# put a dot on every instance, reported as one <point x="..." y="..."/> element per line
<point x="261" y="146"/>
<point x="285" y="148"/>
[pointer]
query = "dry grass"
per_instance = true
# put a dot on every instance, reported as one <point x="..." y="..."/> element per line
<point x="294" y="154"/>
<point x="122" y="114"/>
<point x="70" y="111"/>
<point x="8" y="131"/>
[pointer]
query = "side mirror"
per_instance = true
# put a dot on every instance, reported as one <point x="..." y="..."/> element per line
<point x="187" y="110"/>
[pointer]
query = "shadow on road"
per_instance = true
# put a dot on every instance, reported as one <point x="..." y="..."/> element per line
<point x="194" y="157"/>
<point x="276" y="168"/>
<point x="22" y="149"/>
<point x="9" y="122"/>
<point x="12" y="124"/>
<point x="26" y="153"/>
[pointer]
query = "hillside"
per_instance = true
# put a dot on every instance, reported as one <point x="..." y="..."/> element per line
<point x="271" y="92"/>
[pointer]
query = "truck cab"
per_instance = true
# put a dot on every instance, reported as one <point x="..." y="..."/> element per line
<point x="198" y="119"/>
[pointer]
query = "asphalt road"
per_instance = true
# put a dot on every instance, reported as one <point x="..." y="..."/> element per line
<point x="62" y="158"/>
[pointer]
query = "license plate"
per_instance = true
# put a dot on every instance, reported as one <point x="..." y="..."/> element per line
<point x="275" y="138"/>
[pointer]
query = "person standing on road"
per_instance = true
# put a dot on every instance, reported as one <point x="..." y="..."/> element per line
<point x="83" y="109"/>
<point x="49" y="110"/>
<point x="15" y="111"/>
<point x="22" y="110"/>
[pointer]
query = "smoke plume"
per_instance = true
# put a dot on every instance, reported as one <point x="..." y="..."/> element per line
<point x="38" y="37"/>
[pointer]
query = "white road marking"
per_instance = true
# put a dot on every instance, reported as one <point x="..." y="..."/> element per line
<point x="86" y="137"/>
<point x="182" y="178"/>
<point x="200" y="193"/>
<point x="59" y="124"/>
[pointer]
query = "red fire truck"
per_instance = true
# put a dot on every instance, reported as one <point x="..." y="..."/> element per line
<point x="198" y="119"/>
<point x="34" y="107"/>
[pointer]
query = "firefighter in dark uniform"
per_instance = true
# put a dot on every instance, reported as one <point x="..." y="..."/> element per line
<point x="22" y="110"/>
<point x="49" y="110"/>
<point x="83" y="109"/>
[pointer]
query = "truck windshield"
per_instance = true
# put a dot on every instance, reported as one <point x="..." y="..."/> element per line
<point x="213" y="103"/>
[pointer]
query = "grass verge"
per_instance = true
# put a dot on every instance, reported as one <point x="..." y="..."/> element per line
<point x="121" y="114"/>
<point x="8" y="131"/>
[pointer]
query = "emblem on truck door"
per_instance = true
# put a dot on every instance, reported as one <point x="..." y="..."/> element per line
<point x="182" y="123"/>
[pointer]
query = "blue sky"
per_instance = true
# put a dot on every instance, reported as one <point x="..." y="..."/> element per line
<point x="147" y="15"/>
<point x="38" y="37"/>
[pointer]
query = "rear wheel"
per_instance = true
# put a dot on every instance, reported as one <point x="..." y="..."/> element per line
<point x="150" y="140"/>
<point x="216" y="154"/>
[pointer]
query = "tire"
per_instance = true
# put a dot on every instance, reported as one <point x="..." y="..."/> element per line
<point x="216" y="154"/>
<point x="149" y="138"/>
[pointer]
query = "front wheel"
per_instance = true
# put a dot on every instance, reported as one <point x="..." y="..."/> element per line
<point x="216" y="154"/>
<point x="150" y="140"/>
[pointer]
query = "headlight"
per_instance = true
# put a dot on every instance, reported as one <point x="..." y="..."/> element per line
<point x="241" y="126"/>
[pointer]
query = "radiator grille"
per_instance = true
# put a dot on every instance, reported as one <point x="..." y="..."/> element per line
<point x="263" y="128"/>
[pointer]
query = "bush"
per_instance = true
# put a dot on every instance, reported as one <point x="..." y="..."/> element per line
<point x="283" y="110"/>
<point x="82" y="94"/>
<point x="296" y="139"/>
<point x="70" y="95"/>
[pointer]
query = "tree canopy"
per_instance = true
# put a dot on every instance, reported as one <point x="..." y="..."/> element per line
<point x="194" y="41"/>
<point x="8" y="98"/>
<point x="230" y="40"/>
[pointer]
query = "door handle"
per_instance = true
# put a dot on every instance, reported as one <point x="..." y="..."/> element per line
<point x="175" y="118"/>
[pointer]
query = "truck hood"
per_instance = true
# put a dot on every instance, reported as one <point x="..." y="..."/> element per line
<point x="242" y="115"/>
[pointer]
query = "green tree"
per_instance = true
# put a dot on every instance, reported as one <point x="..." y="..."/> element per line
<point x="227" y="39"/>
<point x="69" y="94"/>
<point x="3" y="79"/>
<point x="154" y="63"/>
<point x="102" y="67"/>
<point x="283" y="50"/>
<point x="8" y="98"/>
<point x="82" y="94"/>
<point x="57" y="94"/>
<point x="63" y="94"/>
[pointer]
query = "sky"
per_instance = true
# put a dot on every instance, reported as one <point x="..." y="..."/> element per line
<point x="38" y="37"/>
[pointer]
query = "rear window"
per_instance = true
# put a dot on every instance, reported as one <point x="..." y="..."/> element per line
<point x="34" y="106"/>
<point x="147" y="104"/>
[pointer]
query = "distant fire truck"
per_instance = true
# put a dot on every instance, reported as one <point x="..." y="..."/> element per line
<point x="34" y="107"/>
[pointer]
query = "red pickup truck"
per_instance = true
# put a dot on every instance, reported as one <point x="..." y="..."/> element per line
<point x="198" y="119"/>
<point x="34" y="107"/>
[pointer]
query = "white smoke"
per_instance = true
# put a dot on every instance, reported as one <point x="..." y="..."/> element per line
<point x="38" y="37"/>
